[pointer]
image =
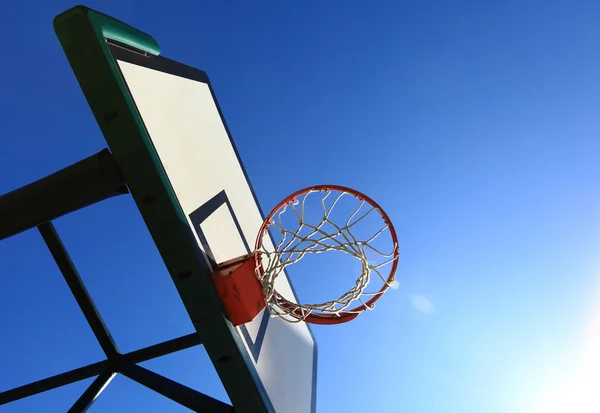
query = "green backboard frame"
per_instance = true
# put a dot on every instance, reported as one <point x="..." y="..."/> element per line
<point x="83" y="34"/>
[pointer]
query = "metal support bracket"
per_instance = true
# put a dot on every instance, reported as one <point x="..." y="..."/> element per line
<point x="82" y="184"/>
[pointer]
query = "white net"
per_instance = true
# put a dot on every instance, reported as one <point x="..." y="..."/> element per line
<point x="323" y="220"/>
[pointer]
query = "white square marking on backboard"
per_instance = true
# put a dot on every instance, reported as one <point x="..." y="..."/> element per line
<point x="224" y="237"/>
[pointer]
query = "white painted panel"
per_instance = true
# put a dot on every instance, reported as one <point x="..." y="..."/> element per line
<point x="199" y="159"/>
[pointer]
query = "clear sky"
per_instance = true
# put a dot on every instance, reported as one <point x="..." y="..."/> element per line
<point x="474" y="124"/>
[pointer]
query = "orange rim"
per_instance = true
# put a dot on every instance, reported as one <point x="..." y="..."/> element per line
<point x="342" y="316"/>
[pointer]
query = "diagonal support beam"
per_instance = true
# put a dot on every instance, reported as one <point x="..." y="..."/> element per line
<point x="137" y="356"/>
<point x="91" y="394"/>
<point x="53" y="382"/>
<point x="177" y="392"/>
<point x="58" y="251"/>
<point x="84" y="183"/>
<point x="162" y="349"/>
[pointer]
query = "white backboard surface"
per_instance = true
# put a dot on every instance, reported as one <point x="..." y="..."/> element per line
<point x="192" y="142"/>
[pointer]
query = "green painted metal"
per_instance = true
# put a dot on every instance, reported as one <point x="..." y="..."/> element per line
<point x="107" y="27"/>
<point x="117" y="30"/>
<point x="81" y="32"/>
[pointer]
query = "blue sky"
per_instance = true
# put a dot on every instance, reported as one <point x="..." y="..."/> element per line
<point x="474" y="125"/>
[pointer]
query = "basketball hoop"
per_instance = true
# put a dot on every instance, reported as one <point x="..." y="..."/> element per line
<point x="315" y="234"/>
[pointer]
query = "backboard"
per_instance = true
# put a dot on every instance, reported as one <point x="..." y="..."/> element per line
<point x="168" y="136"/>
